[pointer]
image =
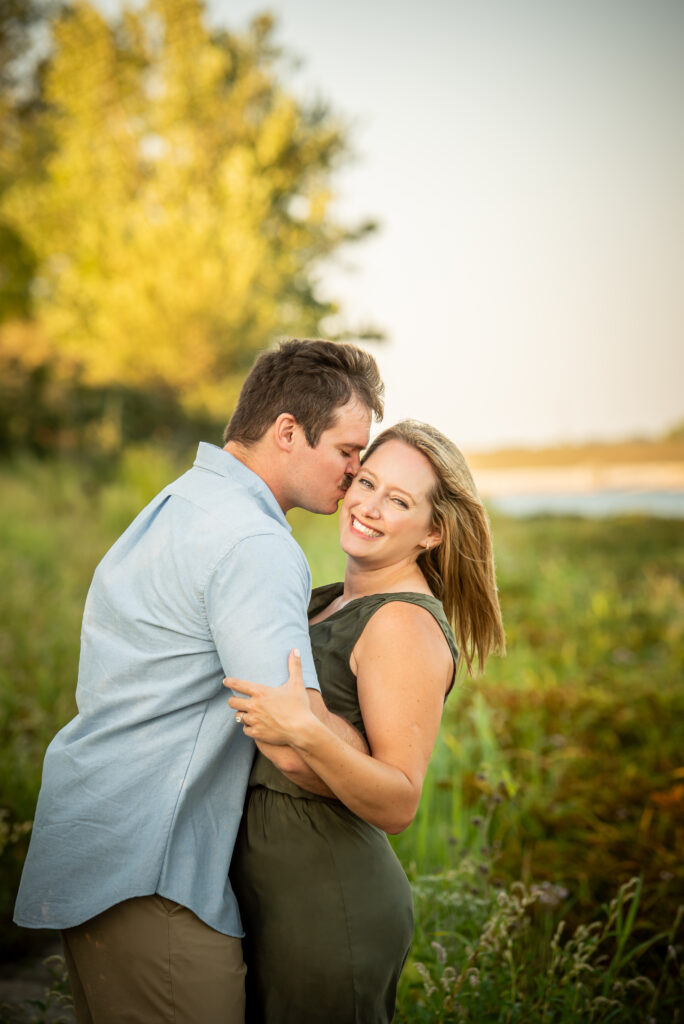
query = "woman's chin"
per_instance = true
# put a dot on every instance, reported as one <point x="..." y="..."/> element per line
<point x="355" y="548"/>
<point x="360" y="550"/>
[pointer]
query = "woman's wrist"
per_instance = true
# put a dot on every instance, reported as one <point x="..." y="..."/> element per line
<point x="308" y="734"/>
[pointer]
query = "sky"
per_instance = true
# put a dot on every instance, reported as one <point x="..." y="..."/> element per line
<point x="525" y="160"/>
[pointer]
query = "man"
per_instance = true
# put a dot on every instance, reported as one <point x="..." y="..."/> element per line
<point x="142" y="792"/>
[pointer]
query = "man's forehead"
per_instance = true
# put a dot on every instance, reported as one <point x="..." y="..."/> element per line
<point x="352" y="424"/>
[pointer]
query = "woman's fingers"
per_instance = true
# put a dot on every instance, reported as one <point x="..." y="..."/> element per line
<point x="242" y="686"/>
<point x="239" y="703"/>
<point x="294" y="665"/>
<point x="271" y="713"/>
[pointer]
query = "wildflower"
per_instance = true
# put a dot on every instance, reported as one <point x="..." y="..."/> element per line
<point x="548" y="894"/>
<point x="440" y="951"/>
<point x="430" y="987"/>
<point x="640" y="983"/>
<point x="603" y="1001"/>
<point x="448" y="977"/>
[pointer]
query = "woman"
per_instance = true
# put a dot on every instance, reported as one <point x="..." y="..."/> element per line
<point x="326" y="907"/>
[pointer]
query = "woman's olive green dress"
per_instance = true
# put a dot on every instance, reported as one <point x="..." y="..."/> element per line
<point x="325" y="904"/>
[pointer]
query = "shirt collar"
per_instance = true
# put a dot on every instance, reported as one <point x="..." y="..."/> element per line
<point x="216" y="460"/>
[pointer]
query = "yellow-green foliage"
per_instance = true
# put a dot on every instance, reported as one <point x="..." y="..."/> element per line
<point x="178" y="208"/>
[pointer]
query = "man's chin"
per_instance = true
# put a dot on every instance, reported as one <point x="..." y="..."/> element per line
<point x="333" y="506"/>
<point x="325" y="508"/>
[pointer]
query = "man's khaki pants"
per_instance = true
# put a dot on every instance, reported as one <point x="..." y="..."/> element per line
<point x="151" y="961"/>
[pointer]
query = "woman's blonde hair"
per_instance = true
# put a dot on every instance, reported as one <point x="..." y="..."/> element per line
<point x="460" y="569"/>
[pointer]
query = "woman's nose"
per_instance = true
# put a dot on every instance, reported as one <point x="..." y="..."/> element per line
<point x="369" y="506"/>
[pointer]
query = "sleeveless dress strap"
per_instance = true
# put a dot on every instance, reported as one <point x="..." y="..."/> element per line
<point x="333" y="640"/>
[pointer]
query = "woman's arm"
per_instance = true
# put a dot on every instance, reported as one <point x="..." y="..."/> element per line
<point x="403" y="667"/>
<point x="292" y="764"/>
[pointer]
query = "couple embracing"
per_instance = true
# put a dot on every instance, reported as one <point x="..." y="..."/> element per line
<point x="192" y="881"/>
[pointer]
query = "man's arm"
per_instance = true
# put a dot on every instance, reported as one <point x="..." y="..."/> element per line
<point x="256" y="617"/>
<point x="256" y="601"/>
<point x="292" y="764"/>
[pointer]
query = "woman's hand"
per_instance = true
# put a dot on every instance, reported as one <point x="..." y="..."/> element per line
<point x="273" y="714"/>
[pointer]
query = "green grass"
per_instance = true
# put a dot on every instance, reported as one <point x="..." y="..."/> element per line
<point x="563" y="764"/>
<point x="579" y="730"/>
<point x="502" y="954"/>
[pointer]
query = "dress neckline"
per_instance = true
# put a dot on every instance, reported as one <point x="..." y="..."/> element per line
<point x="339" y="587"/>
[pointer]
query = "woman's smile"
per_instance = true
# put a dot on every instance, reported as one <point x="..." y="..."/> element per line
<point x="365" y="531"/>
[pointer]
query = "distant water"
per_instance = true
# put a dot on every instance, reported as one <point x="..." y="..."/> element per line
<point x="593" y="504"/>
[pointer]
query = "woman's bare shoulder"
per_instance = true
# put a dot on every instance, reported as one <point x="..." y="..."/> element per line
<point x="398" y="626"/>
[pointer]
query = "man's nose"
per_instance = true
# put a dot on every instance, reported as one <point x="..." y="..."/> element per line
<point x="354" y="464"/>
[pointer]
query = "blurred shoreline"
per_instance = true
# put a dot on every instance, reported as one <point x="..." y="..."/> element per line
<point x="581" y="469"/>
<point x="580" y="479"/>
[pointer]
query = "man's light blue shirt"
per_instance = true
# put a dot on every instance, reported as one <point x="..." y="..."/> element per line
<point x="142" y="792"/>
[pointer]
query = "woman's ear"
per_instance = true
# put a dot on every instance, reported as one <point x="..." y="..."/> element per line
<point x="433" y="540"/>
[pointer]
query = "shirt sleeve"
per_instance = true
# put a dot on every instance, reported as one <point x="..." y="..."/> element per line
<point x="257" y="599"/>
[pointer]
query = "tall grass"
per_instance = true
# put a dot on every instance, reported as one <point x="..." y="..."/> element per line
<point x="486" y="954"/>
<point x="561" y="767"/>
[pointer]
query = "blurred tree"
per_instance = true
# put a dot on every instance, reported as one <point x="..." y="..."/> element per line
<point x="17" y="18"/>
<point x="19" y="96"/>
<point x="182" y="206"/>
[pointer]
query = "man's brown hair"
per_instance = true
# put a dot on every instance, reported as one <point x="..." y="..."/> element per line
<point x="310" y="379"/>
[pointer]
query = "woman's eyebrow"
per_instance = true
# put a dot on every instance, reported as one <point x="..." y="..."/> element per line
<point x="404" y="492"/>
<point x="392" y="487"/>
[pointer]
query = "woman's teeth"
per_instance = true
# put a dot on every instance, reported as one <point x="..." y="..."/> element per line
<point x="366" y="530"/>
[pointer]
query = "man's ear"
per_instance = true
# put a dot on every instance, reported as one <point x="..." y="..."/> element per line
<point x="284" y="431"/>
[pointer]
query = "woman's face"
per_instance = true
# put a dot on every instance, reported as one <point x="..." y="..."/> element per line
<point x="386" y="515"/>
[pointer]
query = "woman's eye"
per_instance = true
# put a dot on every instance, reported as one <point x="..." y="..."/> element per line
<point x="364" y="482"/>
<point x="401" y="503"/>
